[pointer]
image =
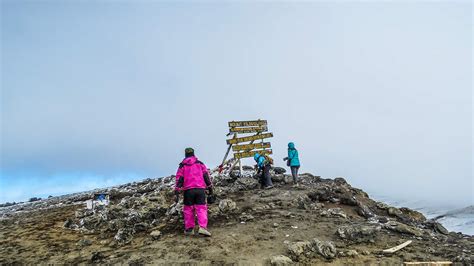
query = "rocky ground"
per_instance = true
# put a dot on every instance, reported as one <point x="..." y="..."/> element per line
<point x="318" y="221"/>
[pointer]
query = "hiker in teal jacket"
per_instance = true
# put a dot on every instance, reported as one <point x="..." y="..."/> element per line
<point x="293" y="161"/>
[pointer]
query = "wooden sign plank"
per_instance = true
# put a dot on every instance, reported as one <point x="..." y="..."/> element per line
<point x="252" y="123"/>
<point x="428" y="263"/>
<point x="394" y="249"/>
<point x="246" y="154"/>
<point x="264" y="145"/>
<point x="249" y="138"/>
<point x="243" y="130"/>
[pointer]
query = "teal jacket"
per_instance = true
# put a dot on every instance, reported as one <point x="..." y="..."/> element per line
<point x="293" y="155"/>
<point x="260" y="160"/>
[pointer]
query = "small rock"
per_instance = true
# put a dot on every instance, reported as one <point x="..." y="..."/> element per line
<point x="124" y="236"/>
<point x="335" y="212"/>
<point x="319" y="205"/>
<point x="280" y="260"/>
<point x="84" y="242"/>
<point x="140" y="227"/>
<point x="227" y="205"/>
<point x="352" y="253"/>
<point x="246" y="217"/>
<point x="68" y="223"/>
<point x="275" y="224"/>
<point x="96" y="257"/>
<point x="155" y="235"/>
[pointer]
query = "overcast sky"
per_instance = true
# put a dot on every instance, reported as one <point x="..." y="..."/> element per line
<point x="96" y="93"/>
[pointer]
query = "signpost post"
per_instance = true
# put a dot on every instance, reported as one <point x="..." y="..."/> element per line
<point x="243" y="145"/>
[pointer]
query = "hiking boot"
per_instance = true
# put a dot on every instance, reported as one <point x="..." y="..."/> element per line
<point x="189" y="232"/>
<point x="269" y="187"/>
<point x="203" y="232"/>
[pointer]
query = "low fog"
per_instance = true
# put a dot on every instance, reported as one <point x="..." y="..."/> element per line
<point x="95" y="94"/>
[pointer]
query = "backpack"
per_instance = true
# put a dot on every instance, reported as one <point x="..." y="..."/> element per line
<point x="268" y="159"/>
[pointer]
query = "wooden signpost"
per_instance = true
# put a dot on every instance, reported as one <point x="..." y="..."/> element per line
<point x="243" y="146"/>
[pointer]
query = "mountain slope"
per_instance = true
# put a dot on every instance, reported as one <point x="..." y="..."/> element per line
<point x="318" y="221"/>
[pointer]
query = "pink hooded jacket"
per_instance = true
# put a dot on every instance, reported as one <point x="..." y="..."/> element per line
<point x="193" y="174"/>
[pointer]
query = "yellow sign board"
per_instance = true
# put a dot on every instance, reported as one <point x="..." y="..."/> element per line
<point x="249" y="138"/>
<point x="245" y="147"/>
<point x="253" y="123"/>
<point x="243" y="130"/>
<point x="246" y="154"/>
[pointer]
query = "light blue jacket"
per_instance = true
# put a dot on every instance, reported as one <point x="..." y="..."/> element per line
<point x="293" y="155"/>
<point x="260" y="160"/>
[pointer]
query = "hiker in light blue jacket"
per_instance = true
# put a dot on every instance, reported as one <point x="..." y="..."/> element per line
<point x="293" y="161"/>
<point x="264" y="164"/>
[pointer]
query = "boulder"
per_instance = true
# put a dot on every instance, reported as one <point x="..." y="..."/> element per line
<point x="280" y="178"/>
<point x="90" y="222"/>
<point x="382" y="205"/>
<point x="302" y="202"/>
<point x="441" y="229"/>
<point x="280" y="260"/>
<point x="402" y="228"/>
<point x="395" y="212"/>
<point x="234" y="174"/>
<point x="279" y="170"/>
<point x="358" y="233"/>
<point x="340" y="181"/>
<point x="308" y="249"/>
<point x="437" y="227"/>
<point x="324" y="248"/>
<point x="174" y="210"/>
<point x="296" y="250"/>
<point x="412" y="216"/>
<point x="245" y="183"/>
<point x="364" y="211"/>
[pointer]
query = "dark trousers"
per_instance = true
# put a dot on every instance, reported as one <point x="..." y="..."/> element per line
<point x="265" y="179"/>
<point x="194" y="196"/>
<point x="294" y="173"/>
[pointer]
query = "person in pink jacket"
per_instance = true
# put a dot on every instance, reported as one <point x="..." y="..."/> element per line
<point x="193" y="179"/>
